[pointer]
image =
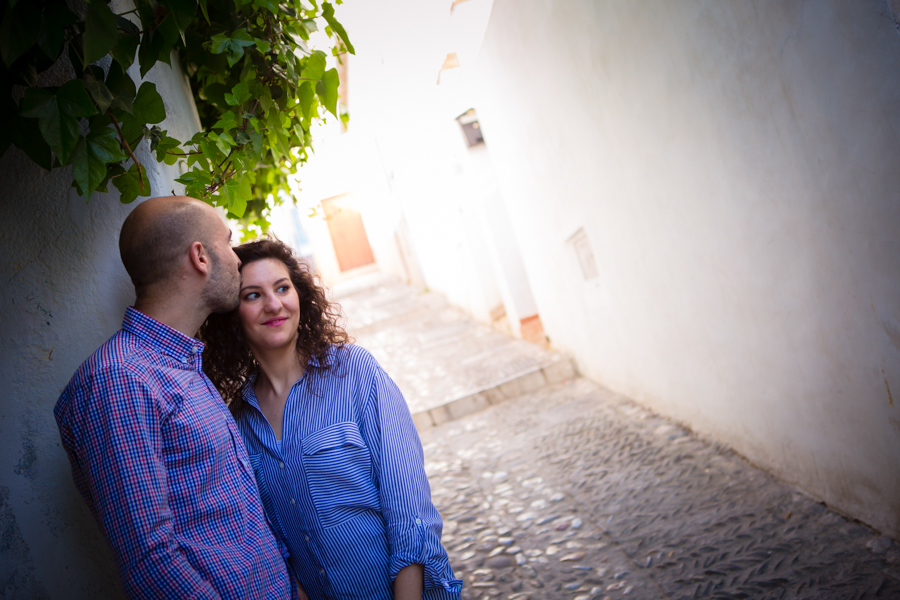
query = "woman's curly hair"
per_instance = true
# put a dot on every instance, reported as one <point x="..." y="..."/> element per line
<point x="227" y="359"/>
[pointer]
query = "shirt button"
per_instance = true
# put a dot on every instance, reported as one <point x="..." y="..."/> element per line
<point x="293" y="501"/>
<point x="281" y="464"/>
<point x="306" y="537"/>
<point x="322" y="572"/>
<point x="418" y="521"/>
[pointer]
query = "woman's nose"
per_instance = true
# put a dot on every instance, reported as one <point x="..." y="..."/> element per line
<point x="271" y="303"/>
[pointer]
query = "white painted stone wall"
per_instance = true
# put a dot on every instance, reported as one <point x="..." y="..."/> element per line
<point x="64" y="293"/>
<point x="416" y="183"/>
<point x="735" y="167"/>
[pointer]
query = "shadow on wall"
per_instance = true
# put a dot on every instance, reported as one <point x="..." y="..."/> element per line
<point x="64" y="293"/>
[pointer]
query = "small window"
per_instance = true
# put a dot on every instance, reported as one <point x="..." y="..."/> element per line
<point x="582" y="246"/>
<point x="471" y="129"/>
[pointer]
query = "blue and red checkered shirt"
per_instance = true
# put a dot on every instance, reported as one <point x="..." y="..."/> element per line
<point x="160" y="462"/>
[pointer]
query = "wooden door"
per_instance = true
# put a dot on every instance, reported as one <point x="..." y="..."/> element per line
<point x="351" y="245"/>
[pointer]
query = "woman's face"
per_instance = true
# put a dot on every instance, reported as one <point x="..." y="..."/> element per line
<point x="270" y="307"/>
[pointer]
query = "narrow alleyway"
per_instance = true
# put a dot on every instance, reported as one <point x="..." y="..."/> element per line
<point x="554" y="487"/>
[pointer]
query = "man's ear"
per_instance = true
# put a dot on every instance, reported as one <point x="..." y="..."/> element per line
<point x="199" y="258"/>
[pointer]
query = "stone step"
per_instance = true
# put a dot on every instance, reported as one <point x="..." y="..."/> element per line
<point x="446" y="364"/>
<point x="532" y="380"/>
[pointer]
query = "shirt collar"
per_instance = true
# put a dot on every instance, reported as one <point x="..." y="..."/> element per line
<point x="162" y="337"/>
<point x="249" y="394"/>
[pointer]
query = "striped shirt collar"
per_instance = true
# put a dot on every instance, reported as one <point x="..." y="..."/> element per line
<point x="249" y="394"/>
<point x="160" y="336"/>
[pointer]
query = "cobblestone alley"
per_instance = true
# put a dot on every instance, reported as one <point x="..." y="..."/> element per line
<point x="554" y="487"/>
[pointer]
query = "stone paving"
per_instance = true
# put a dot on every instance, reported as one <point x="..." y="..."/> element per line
<point x="574" y="492"/>
<point x="570" y="491"/>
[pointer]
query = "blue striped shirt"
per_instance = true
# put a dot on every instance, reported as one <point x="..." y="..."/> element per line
<point x="347" y="491"/>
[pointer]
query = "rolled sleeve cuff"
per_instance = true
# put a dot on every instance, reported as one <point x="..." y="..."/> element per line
<point x="416" y="545"/>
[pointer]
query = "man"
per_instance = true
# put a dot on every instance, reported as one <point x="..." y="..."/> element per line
<point x="154" y="450"/>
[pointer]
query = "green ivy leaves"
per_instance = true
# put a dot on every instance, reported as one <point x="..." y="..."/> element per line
<point x="58" y="111"/>
<point x="131" y="183"/>
<point x="328" y="13"/>
<point x="91" y="156"/>
<point x="315" y="66"/>
<point x="26" y="135"/>
<point x="305" y="97"/>
<point x="239" y="94"/>
<point x="32" y="36"/>
<point x="258" y="89"/>
<point x="232" y="45"/>
<point x="127" y="39"/>
<point x="327" y="89"/>
<point x="182" y="14"/>
<point x="147" y="108"/>
<point x="20" y="30"/>
<point x="100" y="32"/>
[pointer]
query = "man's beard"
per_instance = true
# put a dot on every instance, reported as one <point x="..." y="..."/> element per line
<point x="223" y="290"/>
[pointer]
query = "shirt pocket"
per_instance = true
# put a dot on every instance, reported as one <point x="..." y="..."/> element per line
<point x="339" y="473"/>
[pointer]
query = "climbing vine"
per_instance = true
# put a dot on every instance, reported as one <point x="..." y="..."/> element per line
<point x="257" y="83"/>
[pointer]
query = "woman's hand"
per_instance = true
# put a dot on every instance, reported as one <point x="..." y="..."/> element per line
<point x="409" y="583"/>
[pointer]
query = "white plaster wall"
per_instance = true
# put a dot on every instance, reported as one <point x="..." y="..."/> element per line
<point x="503" y="252"/>
<point x="64" y="293"/>
<point x="404" y="156"/>
<point x="736" y="167"/>
<point x="439" y="205"/>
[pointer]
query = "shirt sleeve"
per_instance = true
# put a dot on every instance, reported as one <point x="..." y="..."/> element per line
<point x="118" y="449"/>
<point x="413" y="523"/>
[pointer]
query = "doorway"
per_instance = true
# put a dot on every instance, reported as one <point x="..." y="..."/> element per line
<point x="348" y="235"/>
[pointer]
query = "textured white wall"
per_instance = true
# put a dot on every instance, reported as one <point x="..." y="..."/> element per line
<point x="405" y="157"/>
<point x="736" y="168"/>
<point x="64" y="293"/>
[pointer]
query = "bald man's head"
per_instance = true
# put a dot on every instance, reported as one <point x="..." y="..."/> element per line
<point x="158" y="233"/>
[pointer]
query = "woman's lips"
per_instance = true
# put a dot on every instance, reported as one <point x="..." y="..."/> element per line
<point x="275" y="322"/>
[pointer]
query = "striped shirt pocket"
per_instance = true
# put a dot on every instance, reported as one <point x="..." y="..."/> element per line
<point x="339" y="473"/>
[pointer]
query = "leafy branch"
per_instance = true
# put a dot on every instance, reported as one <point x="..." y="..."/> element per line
<point x="257" y="85"/>
<point x="124" y="142"/>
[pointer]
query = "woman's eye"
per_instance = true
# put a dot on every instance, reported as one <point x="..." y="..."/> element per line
<point x="282" y="288"/>
<point x="251" y="296"/>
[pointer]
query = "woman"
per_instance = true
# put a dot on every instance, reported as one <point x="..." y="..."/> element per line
<point x="332" y="444"/>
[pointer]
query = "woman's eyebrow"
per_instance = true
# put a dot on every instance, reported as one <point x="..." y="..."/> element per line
<point x="282" y="280"/>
